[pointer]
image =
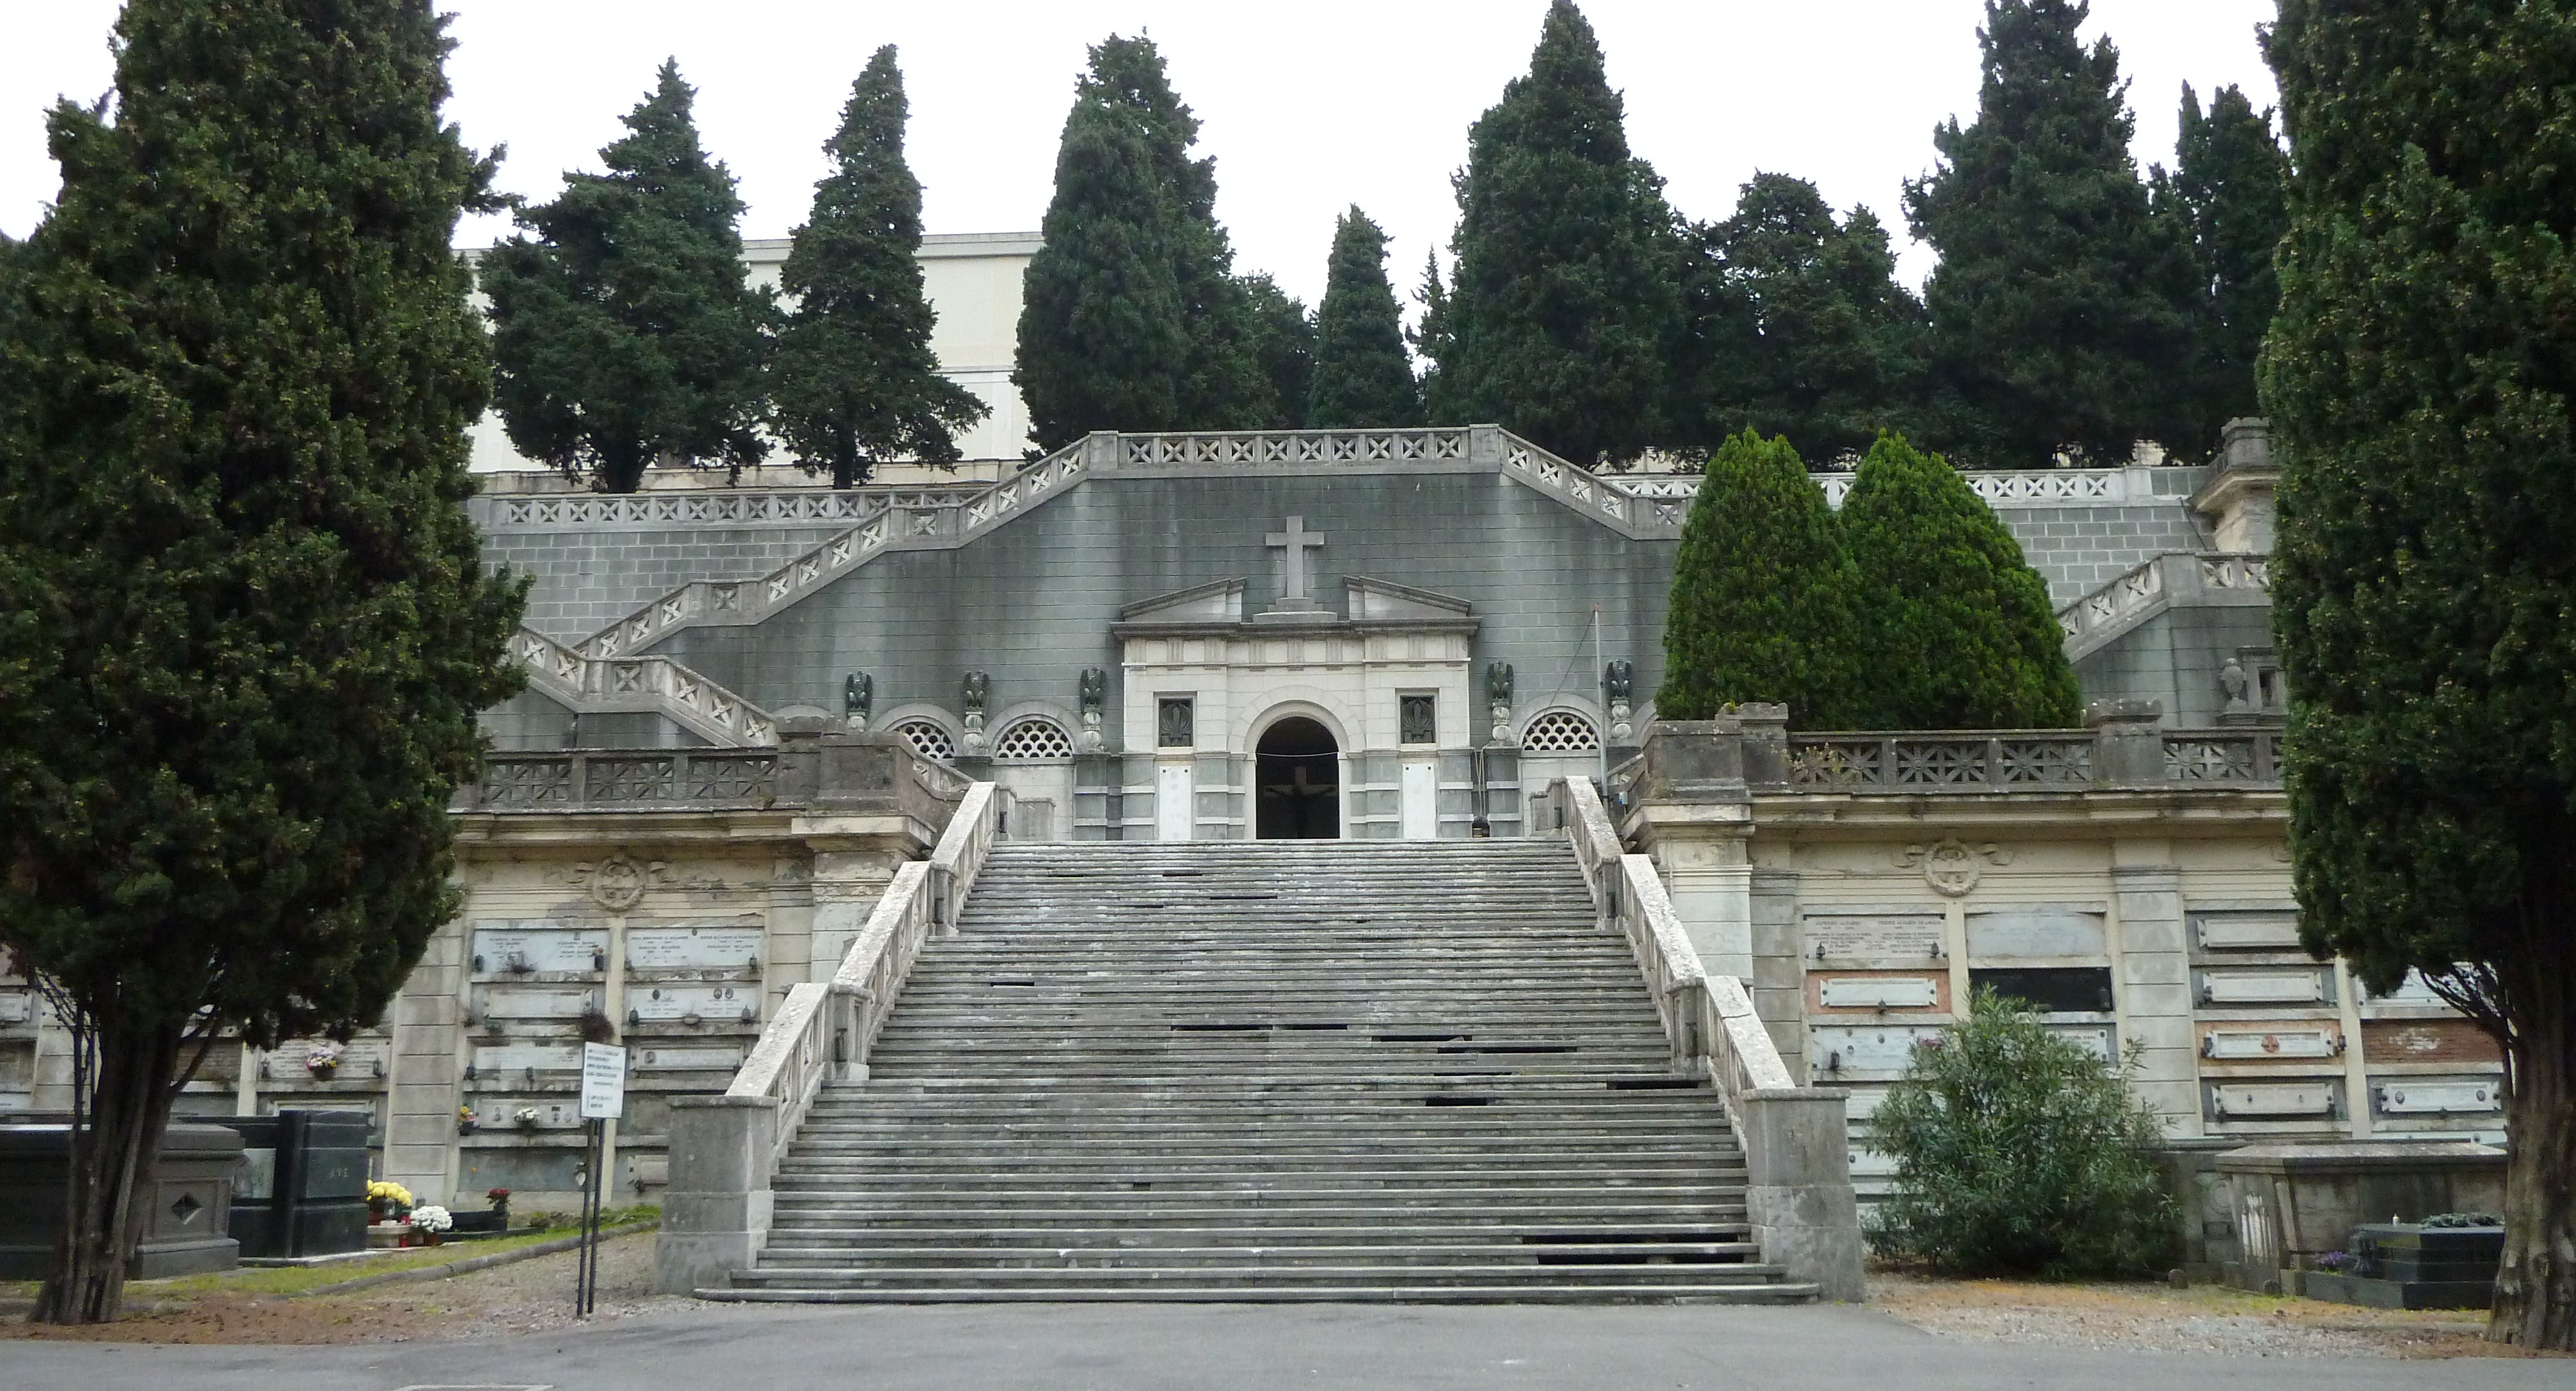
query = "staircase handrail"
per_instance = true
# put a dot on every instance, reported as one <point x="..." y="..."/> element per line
<point x="1797" y="1162"/>
<point x="824" y="1030"/>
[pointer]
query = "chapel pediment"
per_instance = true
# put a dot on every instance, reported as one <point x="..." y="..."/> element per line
<point x="1218" y="602"/>
<point x="1376" y="600"/>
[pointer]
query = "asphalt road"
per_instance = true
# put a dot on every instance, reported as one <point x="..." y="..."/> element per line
<point x="1215" y="1348"/>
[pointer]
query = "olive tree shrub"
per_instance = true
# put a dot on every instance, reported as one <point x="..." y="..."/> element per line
<point x="2020" y="1152"/>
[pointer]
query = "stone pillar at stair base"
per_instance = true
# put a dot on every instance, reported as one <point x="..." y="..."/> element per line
<point x="1798" y="1193"/>
<point x="716" y="1213"/>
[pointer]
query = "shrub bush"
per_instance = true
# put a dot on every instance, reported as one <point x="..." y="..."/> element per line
<point x="2018" y="1152"/>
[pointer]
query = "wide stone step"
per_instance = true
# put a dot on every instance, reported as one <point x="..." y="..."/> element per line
<point x="1275" y="1233"/>
<point x="1533" y="1292"/>
<point x="1052" y="1257"/>
<point x="1646" y="1274"/>
<point x="856" y="1209"/>
<point x="1167" y="1175"/>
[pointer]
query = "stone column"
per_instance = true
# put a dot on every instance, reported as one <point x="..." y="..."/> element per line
<point x="1780" y="966"/>
<point x="2155" y="982"/>
<point x="424" y="1085"/>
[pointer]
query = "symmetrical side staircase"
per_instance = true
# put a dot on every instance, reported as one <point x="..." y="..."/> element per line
<point x="1268" y="1071"/>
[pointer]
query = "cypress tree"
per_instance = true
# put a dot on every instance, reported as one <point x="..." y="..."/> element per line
<point x="2056" y="309"/>
<point x="244" y="623"/>
<point x="1956" y="626"/>
<point x="855" y="382"/>
<point x="2421" y="381"/>
<point x="1798" y="325"/>
<point x="1282" y="342"/>
<point x="1131" y="318"/>
<point x="1762" y="594"/>
<point x="2227" y="192"/>
<point x="624" y="333"/>
<point x="1562" y="308"/>
<point x="1362" y="378"/>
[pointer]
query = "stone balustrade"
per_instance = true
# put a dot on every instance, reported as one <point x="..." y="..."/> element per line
<point x="726" y="1150"/>
<point x="1799" y="1195"/>
<point x="840" y="774"/>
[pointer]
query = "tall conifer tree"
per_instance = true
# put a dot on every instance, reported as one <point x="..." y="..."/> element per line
<point x="624" y="334"/>
<point x="855" y="382"/>
<point x="1562" y="309"/>
<point x="2057" y="319"/>
<point x="245" y="627"/>
<point x="2421" y="381"/>
<point x="1282" y="343"/>
<point x="2227" y="190"/>
<point x="1956" y="628"/>
<point x="1797" y="326"/>
<point x="1131" y="318"/>
<point x="1362" y="378"/>
<point x="1762" y="594"/>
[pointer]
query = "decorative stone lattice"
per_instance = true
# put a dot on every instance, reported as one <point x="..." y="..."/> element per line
<point x="1033" y="740"/>
<point x="928" y="739"/>
<point x="1560" y="731"/>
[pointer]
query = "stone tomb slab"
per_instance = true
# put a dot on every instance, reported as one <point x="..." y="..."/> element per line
<point x="700" y="947"/>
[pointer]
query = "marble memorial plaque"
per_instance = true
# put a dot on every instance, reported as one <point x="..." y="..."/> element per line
<point x="518" y="948"/>
<point x="2092" y="1038"/>
<point x="1873" y="936"/>
<point x="17" y="1007"/>
<point x="730" y="947"/>
<point x="502" y="1113"/>
<point x="694" y="1004"/>
<point x="1836" y="1049"/>
<point x="2264" y="1100"/>
<point x="537" y="1001"/>
<point x="2246" y="931"/>
<point x="2285" y="987"/>
<point x="1879" y="992"/>
<point x="2035" y="931"/>
<point x="2440" y="1098"/>
<point x="2414" y="990"/>
<point x="518" y="1057"/>
<point x="689" y="1059"/>
<point x="2257" y="1044"/>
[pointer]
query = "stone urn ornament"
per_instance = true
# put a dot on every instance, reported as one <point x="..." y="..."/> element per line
<point x="1498" y="700"/>
<point x="1095" y="700"/>
<point x="974" y="693"/>
<point x="1618" y="684"/>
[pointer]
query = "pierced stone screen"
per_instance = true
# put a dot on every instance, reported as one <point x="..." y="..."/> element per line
<point x="1175" y="722"/>
<point x="1418" y="724"/>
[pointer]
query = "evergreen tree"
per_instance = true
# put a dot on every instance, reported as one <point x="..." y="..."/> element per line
<point x="1283" y="346"/>
<point x="624" y="334"/>
<point x="2056" y="309"/>
<point x="1131" y="318"/>
<point x="2226" y="190"/>
<point x="1562" y="308"/>
<point x="1956" y="626"/>
<point x="1362" y="378"/>
<point x="1762" y="594"/>
<point x="1797" y="325"/>
<point x="855" y="382"/>
<point x="2421" y="381"/>
<point x="245" y="626"/>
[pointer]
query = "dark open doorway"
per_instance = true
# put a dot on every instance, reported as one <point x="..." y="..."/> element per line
<point x="1297" y="781"/>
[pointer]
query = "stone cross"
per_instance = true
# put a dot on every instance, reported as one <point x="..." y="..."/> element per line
<point x="1296" y="541"/>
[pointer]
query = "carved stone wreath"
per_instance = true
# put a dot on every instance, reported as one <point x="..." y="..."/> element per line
<point x="618" y="882"/>
<point x="1951" y="867"/>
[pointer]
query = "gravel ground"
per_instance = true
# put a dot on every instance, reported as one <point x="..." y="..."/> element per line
<point x="2160" y="1318"/>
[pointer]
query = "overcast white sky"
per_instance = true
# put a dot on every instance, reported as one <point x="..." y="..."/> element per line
<point x="1308" y="107"/>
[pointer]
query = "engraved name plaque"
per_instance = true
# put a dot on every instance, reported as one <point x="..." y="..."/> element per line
<point x="719" y="948"/>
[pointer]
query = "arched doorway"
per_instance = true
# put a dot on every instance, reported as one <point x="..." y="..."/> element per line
<point x="1296" y="781"/>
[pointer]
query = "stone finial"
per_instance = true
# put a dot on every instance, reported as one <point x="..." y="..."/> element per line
<point x="858" y="699"/>
<point x="2237" y="495"/>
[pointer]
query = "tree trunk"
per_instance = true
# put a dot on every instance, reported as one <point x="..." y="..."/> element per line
<point x="2535" y="1299"/>
<point x="115" y="1139"/>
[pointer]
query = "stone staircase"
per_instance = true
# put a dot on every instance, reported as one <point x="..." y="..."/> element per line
<point x="1268" y="1071"/>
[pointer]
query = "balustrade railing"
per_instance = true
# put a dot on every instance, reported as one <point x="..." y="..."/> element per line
<point x="708" y="778"/>
<point x="1256" y="447"/>
<point x="1797" y="1167"/>
<point x="1967" y="762"/>
<point x="825" y="1030"/>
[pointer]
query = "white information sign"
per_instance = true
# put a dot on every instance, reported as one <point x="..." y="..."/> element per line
<point x="603" y="1082"/>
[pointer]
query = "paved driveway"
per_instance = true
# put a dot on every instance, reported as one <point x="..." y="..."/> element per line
<point x="1201" y="1348"/>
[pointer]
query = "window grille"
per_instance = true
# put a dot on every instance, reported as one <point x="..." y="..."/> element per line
<point x="1560" y="731"/>
<point x="928" y="739"/>
<point x="1033" y="740"/>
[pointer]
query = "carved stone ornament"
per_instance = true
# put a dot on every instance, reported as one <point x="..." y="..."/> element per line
<point x="1095" y="698"/>
<point x="1952" y="868"/>
<point x="2233" y="685"/>
<point x="858" y="699"/>
<point x="618" y="882"/>
<point x="975" y="691"/>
